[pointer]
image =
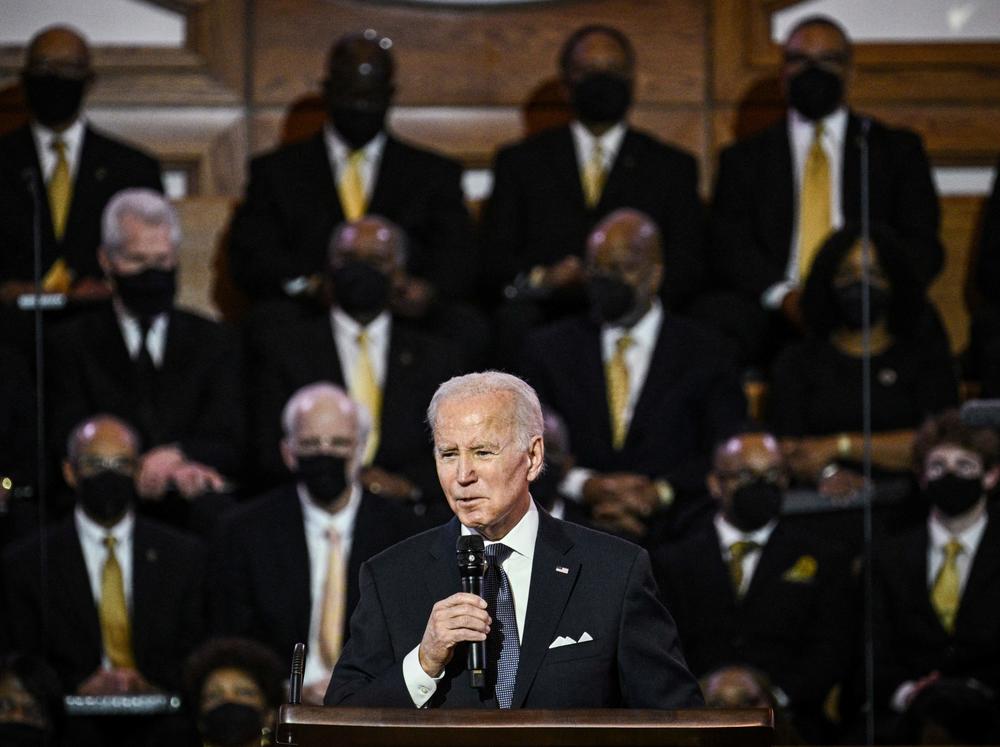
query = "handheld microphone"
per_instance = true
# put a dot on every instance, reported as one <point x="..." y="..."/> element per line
<point x="470" y="552"/>
<point x="298" y="672"/>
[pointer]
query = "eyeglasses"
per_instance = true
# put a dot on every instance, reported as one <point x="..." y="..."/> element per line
<point x="962" y="467"/>
<point x="743" y="476"/>
<point x="827" y="59"/>
<point x="91" y="465"/>
<point x="313" y="445"/>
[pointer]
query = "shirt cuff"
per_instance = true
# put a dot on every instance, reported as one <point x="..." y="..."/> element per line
<point x="295" y="286"/>
<point x="773" y="296"/>
<point x="419" y="684"/>
<point x="901" y="698"/>
<point x="572" y="484"/>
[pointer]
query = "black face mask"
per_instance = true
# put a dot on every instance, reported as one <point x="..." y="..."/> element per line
<point x="231" y="724"/>
<point x="754" y="504"/>
<point x="601" y="98"/>
<point x="815" y="92"/>
<point x="360" y="289"/>
<point x="147" y="293"/>
<point x="106" y="496"/>
<point x="849" y="299"/>
<point x="611" y="298"/>
<point x="53" y="99"/>
<point x="357" y="126"/>
<point x="324" y="475"/>
<point x="953" y="495"/>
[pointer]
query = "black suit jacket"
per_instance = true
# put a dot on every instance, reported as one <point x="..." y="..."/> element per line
<point x="581" y="581"/>
<point x="753" y="213"/>
<point x="282" y="229"/>
<point x="795" y="627"/>
<point x="909" y="640"/>
<point x="198" y="389"/>
<point x="266" y="595"/>
<point x="106" y="167"/>
<point x="690" y="398"/>
<point x="285" y="358"/>
<point x="537" y="213"/>
<point x="167" y="614"/>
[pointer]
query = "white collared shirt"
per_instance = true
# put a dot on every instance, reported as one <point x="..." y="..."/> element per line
<point x="521" y="539"/>
<point x="339" y="152"/>
<point x="729" y="535"/>
<point x="156" y="340"/>
<point x="584" y="142"/>
<point x="345" y="337"/>
<point x="800" y="137"/>
<point x="939" y="536"/>
<point x="72" y="136"/>
<point x="316" y="521"/>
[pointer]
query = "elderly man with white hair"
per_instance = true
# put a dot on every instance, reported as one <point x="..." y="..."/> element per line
<point x="174" y="374"/>
<point x="569" y="617"/>
<point x="323" y="524"/>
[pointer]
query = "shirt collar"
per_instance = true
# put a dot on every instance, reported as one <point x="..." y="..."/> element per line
<point x="520" y="539"/>
<point x="342" y="521"/>
<point x="969" y="537"/>
<point x="728" y="534"/>
<point x="610" y="141"/>
<point x="94" y="533"/>
<point x="345" y="324"/>
<point x="126" y="316"/>
<point x="643" y="331"/>
<point x="341" y="151"/>
<point x="834" y="126"/>
<point x="72" y="135"/>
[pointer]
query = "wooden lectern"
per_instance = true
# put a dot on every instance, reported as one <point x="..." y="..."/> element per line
<point x="315" y="726"/>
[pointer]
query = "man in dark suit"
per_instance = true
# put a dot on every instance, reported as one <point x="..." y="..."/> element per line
<point x="74" y="168"/>
<point x="779" y="194"/>
<point x="326" y="526"/>
<point x="384" y="364"/>
<point x="569" y="617"/>
<point x="937" y="586"/>
<point x="747" y="590"/>
<point x="172" y="373"/>
<point x="644" y="394"/>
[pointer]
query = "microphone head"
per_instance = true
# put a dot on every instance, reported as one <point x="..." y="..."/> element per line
<point x="470" y="552"/>
<point x="299" y="659"/>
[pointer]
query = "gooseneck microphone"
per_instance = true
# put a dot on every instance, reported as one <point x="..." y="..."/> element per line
<point x="470" y="553"/>
<point x="298" y="671"/>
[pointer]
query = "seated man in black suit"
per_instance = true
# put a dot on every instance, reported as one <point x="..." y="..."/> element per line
<point x="937" y="586"/>
<point x="551" y="189"/>
<point x="326" y="525"/>
<point x="172" y="373"/>
<point x="644" y="394"/>
<point x="779" y="193"/>
<point x="385" y="365"/>
<point x="569" y="616"/>
<point x="749" y="591"/>
<point x="122" y="603"/>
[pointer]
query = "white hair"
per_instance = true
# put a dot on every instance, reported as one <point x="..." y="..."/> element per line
<point x="305" y="398"/>
<point x="145" y="204"/>
<point x="525" y="408"/>
<point x="388" y="232"/>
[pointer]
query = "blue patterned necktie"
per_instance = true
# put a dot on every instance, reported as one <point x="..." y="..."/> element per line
<point x="502" y="646"/>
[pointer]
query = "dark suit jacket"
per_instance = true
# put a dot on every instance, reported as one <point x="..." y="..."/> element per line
<point x="988" y="258"/>
<point x="537" y="213"/>
<point x="282" y="230"/>
<point x="796" y="631"/>
<point x="753" y="213"/>
<point x="266" y="595"/>
<point x="106" y="167"/>
<point x="167" y="602"/>
<point x="198" y="391"/>
<point x="634" y="660"/>
<point x="285" y="358"/>
<point x="690" y="398"/>
<point x="909" y="639"/>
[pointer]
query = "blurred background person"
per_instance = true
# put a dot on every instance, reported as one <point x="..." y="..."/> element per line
<point x="31" y="702"/>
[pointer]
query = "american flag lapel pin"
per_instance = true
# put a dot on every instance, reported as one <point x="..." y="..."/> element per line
<point x="562" y="569"/>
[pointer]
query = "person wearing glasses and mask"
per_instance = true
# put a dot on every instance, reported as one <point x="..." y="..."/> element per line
<point x="326" y="525"/>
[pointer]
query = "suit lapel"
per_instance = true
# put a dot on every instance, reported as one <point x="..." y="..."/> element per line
<point x="322" y="357"/>
<point x="108" y="341"/>
<point x="781" y="181"/>
<point x="391" y="175"/>
<point x="622" y="174"/>
<point x="660" y="375"/>
<point x="567" y="169"/>
<point x="319" y="179"/>
<point x="289" y="523"/>
<point x="850" y="183"/>
<point x="90" y="173"/>
<point x="399" y="364"/>
<point x="593" y="380"/>
<point x="984" y="575"/>
<point x="67" y="557"/>
<point x="441" y="576"/>
<point x="24" y="158"/>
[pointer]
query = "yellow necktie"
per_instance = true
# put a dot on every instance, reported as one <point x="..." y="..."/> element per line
<point x="115" y="630"/>
<point x="366" y="390"/>
<point x="331" y="625"/>
<point x="352" y="187"/>
<point x="814" y="203"/>
<point x="618" y="390"/>
<point x="594" y="176"/>
<point x="945" y="592"/>
<point x="60" y="188"/>
<point x="737" y="552"/>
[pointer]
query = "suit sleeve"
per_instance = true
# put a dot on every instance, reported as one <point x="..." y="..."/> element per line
<point x="684" y="236"/>
<point x="651" y="667"/>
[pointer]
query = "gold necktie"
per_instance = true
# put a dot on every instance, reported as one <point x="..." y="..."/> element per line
<point x="352" y="187"/>
<point x="814" y="204"/>
<point x="618" y="390"/>
<point x="366" y="390"/>
<point x="737" y="552"/>
<point x="331" y="624"/>
<point x="60" y="188"/>
<point x="115" y="631"/>
<point x="945" y="592"/>
<point x="594" y="176"/>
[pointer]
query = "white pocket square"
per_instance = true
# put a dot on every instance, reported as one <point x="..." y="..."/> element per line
<point x="565" y="640"/>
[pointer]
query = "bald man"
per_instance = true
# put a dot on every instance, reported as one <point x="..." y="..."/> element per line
<point x="74" y="169"/>
<point x="644" y="394"/>
<point x="749" y="591"/>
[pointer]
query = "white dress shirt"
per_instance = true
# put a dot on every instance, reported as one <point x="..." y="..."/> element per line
<point x="800" y="137"/>
<point x="339" y="152"/>
<point x="584" y="142"/>
<point x="156" y="340"/>
<point x="517" y="566"/>
<point x="316" y="522"/>
<point x="729" y="535"/>
<point x="72" y="136"/>
<point x="345" y="337"/>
